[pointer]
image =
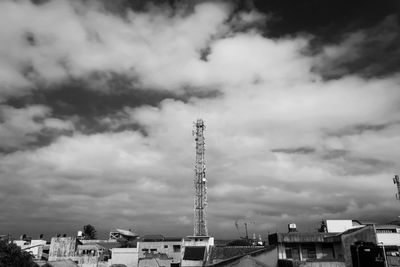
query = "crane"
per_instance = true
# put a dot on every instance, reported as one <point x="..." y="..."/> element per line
<point x="245" y="223"/>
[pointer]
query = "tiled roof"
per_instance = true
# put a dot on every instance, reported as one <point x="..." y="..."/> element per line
<point x="220" y="255"/>
<point x="386" y="226"/>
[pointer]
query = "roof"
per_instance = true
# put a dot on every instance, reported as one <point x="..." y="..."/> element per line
<point x="194" y="253"/>
<point x="126" y="232"/>
<point x="337" y="237"/>
<point x="364" y="222"/>
<point x="93" y="246"/>
<point x="297" y="237"/>
<point x="102" y="244"/>
<point x="222" y="255"/>
<point x="386" y="226"/>
<point x="172" y="238"/>
<point x="159" y="238"/>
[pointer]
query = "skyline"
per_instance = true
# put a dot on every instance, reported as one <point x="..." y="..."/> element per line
<point x="97" y="99"/>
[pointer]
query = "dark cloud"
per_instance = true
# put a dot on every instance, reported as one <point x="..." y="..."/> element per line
<point x="328" y="19"/>
<point x="371" y="52"/>
<point x="360" y="129"/>
<point x="78" y="101"/>
<point x="297" y="150"/>
<point x="375" y="53"/>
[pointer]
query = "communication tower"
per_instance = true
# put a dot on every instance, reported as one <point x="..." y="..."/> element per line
<point x="396" y="181"/>
<point x="200" y="182"/>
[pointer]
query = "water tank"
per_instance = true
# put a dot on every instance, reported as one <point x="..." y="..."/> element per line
<point x="292" y="227"/>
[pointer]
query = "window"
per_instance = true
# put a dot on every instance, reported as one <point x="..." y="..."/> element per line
<point x="177" y="248"/>
<point x="153" y="250"/>
<point x="292" y="251"/>
<point x="165" y="246"/>
<point x="327" y="251"/>
<point x="308" y="251"/>
<point x="145" y="249"/>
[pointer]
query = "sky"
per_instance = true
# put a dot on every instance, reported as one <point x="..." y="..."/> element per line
<point x="300" y="99"/>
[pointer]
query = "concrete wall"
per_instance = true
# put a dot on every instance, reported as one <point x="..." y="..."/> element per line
<point x="366" y="234"/>
<point x="196" y="242"/>
<point x="62" y="248"/>
<point x="127" y="256"/>
<point x="269" y="257"/>
<point x="166" y="247"/>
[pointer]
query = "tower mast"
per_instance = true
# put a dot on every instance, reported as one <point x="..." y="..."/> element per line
<point x="396" y="181"/>
<point x="200" y="182"/>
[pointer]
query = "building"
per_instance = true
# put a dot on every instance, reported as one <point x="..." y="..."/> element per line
<point x="158" y="244"/>
<point x="126" y="256"/>
<point x="196" y="250"/>
<point x="36" y="247"/>
<point x="358" y="244"/>
<point x="62" y="248"/>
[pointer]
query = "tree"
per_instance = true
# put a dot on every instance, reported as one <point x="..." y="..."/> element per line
<point x="11" y="255"/>
<point x="89" y="232"/>
<point x="239" y="243"/>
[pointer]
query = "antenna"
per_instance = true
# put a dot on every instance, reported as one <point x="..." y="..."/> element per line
<point x="200" y="182"/>
<point x="396" y="181"/>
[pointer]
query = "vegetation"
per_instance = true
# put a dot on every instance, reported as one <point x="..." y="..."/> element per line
<point x="11" y="255"/>
<point x="89" y="232"/>
<point x="239" y="243"/>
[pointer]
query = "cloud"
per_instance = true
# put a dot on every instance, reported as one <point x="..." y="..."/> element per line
<point x="25" y="126"/>
<point x="283" y="144"/>
<point x="87" y="40"/>
<point x="370" y="52"/>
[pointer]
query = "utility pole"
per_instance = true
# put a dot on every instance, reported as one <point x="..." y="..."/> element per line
<point x="200" y="182"/>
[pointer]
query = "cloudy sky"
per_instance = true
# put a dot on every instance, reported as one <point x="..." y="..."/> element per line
<point x="97" y="98"/>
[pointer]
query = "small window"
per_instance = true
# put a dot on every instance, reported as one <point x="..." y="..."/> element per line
<point x="153" y="250"/>
<point x="145" y="249"/>
<point x="177" y="248"/>
<point x="165" y="246"/>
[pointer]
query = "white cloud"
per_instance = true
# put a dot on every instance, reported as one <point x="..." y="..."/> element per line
<point x="268" y="100"/>
<point x="20" y="127"/>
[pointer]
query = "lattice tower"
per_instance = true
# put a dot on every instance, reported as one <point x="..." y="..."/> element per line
<point x="396" y="181"/>
<point x="200" y="182"/>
